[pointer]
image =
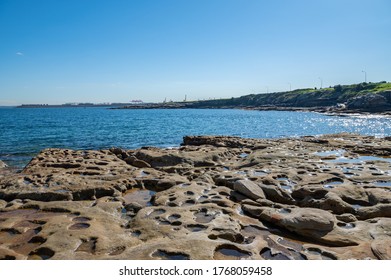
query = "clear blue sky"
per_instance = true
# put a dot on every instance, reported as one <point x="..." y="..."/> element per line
<point x="115" y="51"/>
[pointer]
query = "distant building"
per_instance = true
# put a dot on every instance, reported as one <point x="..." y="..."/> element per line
<point x="136" y="101"/>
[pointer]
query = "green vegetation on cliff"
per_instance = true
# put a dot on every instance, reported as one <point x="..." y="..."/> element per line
<point x="304" y="97"/>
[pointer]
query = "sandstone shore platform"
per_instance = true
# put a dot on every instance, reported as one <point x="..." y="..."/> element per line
<point x="326" y="197"/>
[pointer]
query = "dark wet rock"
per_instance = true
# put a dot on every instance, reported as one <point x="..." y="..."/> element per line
<point x="222" y="141"/>
<point x="300" y="220"/>
<point x="316" y="224"/>
<point x="277" y="194"/>
<point x="41" y="196"/>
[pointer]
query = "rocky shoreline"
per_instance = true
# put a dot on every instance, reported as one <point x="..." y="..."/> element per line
<point x="363" y="99"/>
<point x="214" y="197"/>
<point x="340" y="111"/>
<point x="328" y="110"/>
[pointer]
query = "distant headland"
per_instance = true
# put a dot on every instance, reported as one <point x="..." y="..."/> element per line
<point x="79" y="105"/>
<point x="356" y="98"/>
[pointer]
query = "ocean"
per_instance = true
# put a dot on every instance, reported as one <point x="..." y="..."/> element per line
<point x="26" y="131"/>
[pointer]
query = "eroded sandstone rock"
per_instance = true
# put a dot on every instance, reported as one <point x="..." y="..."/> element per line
<point x="324" y="197"/>
<point x="249" y="189"/>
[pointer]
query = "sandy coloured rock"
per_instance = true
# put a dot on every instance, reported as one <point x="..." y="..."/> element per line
<point x="215" y="197"/>
<point x="249" y="189"/>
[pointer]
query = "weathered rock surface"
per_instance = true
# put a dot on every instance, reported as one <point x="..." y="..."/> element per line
<point x="217" y="197"/>
<point x="249" y="189"/>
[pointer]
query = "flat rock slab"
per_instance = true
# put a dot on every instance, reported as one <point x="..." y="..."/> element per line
<point x="215" y="197"/>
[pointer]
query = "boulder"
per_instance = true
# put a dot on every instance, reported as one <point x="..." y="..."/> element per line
<point x="249" y="189"/>
<point x="133" y="206"/>
<point x="347" y="218"/>
<point x="300" y="220"/>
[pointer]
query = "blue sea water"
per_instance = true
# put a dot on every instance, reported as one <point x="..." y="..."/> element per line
<point x="24" y="132"/>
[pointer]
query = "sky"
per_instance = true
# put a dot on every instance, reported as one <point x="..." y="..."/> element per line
<point x="54" y="52"/>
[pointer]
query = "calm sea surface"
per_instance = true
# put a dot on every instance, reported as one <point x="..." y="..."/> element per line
<point x="24" y="132"/>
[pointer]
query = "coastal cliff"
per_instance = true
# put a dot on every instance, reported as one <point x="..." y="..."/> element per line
<point x="356" y="98"/>
<point x="339" y="99"/>
<point x="216" y="197"/>
<point x="370" y="97"/>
